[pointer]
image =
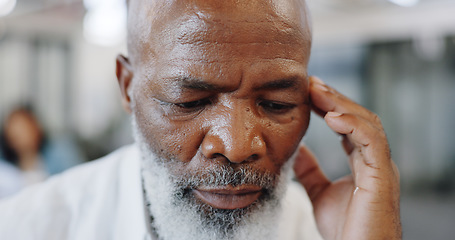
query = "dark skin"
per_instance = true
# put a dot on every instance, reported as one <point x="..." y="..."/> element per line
<point x="225" y="82"/>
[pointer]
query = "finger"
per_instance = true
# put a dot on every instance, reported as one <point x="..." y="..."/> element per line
<point x="309" y="174"/>
<point x="347" y="145"/>
<point x="364" y="136"/>
<point x="373" y="170"/>
<point x="326" y="99"/>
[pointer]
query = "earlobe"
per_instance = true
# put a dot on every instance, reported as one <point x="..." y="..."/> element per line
<point x="124" y="74"/>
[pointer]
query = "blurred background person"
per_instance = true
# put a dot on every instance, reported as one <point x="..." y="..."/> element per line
<point x="25" y="146"/>
<point x="23" y="141"/>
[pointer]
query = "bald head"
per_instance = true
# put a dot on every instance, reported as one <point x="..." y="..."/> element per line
<point x="159" y="25"/>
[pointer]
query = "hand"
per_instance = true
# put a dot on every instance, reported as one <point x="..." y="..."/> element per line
<point x="365" y="204"/>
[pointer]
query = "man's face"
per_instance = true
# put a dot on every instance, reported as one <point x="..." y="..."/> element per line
<point x="220" y="84"/>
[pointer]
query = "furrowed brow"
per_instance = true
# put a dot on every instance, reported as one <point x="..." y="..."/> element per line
<point x="197" y="84"/>
<point x="279" y="84"/>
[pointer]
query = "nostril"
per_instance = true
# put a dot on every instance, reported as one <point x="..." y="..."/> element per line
<point x="239" y="160"/>
<point x="253" y="157"/>
<point x="219" y="158"/>
<point x="217" y="155"/>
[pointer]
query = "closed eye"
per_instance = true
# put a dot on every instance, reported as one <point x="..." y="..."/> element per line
<point x="184" y="110"/>
<point x="194" y="104"/>
<point x="276" y="107"/>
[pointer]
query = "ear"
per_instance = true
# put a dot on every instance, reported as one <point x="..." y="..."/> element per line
<point x="124" y="73"/>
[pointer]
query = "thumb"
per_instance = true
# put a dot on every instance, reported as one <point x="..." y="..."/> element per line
<point x="309" y="174"/>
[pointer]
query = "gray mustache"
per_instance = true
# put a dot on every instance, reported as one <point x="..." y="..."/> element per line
<point x="227" y="175"/>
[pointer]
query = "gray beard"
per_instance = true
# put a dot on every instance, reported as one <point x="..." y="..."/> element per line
<point x="177" y="214"/>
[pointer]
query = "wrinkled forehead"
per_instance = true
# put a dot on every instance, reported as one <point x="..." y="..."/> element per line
<point x="157" y="27"/>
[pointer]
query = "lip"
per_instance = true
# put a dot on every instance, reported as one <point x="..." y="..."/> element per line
<point x="228" y="197"/>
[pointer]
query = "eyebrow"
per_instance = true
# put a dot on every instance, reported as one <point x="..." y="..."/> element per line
<point x="200" y="85"/>
<point x="286" y="83"/>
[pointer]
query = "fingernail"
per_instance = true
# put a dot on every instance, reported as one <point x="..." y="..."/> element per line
<point x="317" y="80"/>
<point x="321" y="87"/>
<point x="333" y="114"/>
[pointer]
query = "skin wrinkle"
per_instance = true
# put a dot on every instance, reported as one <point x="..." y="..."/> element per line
<point x="174" y="89"/>
<point x="203" y="60"/>
<point x="231" y="56"/>
<point x="171" y="5"/>
<point x="171" y="33"/>
<point x="193" y="37"/>
<point x="211" y="62"/>
<point x="268" y="15"/>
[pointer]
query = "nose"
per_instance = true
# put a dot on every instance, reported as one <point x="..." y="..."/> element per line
<point x="237" y="136"/>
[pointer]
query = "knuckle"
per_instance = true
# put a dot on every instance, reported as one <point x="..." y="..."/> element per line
<point x="376" y="119"/>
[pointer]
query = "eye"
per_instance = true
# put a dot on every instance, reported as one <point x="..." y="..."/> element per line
<point x="183" y="110"/>
<point x="193" y="104"/>
<point x="276" y="107"/>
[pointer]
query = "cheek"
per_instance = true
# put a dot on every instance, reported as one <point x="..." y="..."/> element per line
<point x="168" y="139"/>
<point x="283" y="139"/>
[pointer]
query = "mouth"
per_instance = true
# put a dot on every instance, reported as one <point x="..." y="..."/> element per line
<point x="228" y="197"/>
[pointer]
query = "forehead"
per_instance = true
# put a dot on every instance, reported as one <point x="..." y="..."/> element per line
<point x="218" y="34"/>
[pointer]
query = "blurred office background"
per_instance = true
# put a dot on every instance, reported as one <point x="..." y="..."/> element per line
<point x="396" y="57"/>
